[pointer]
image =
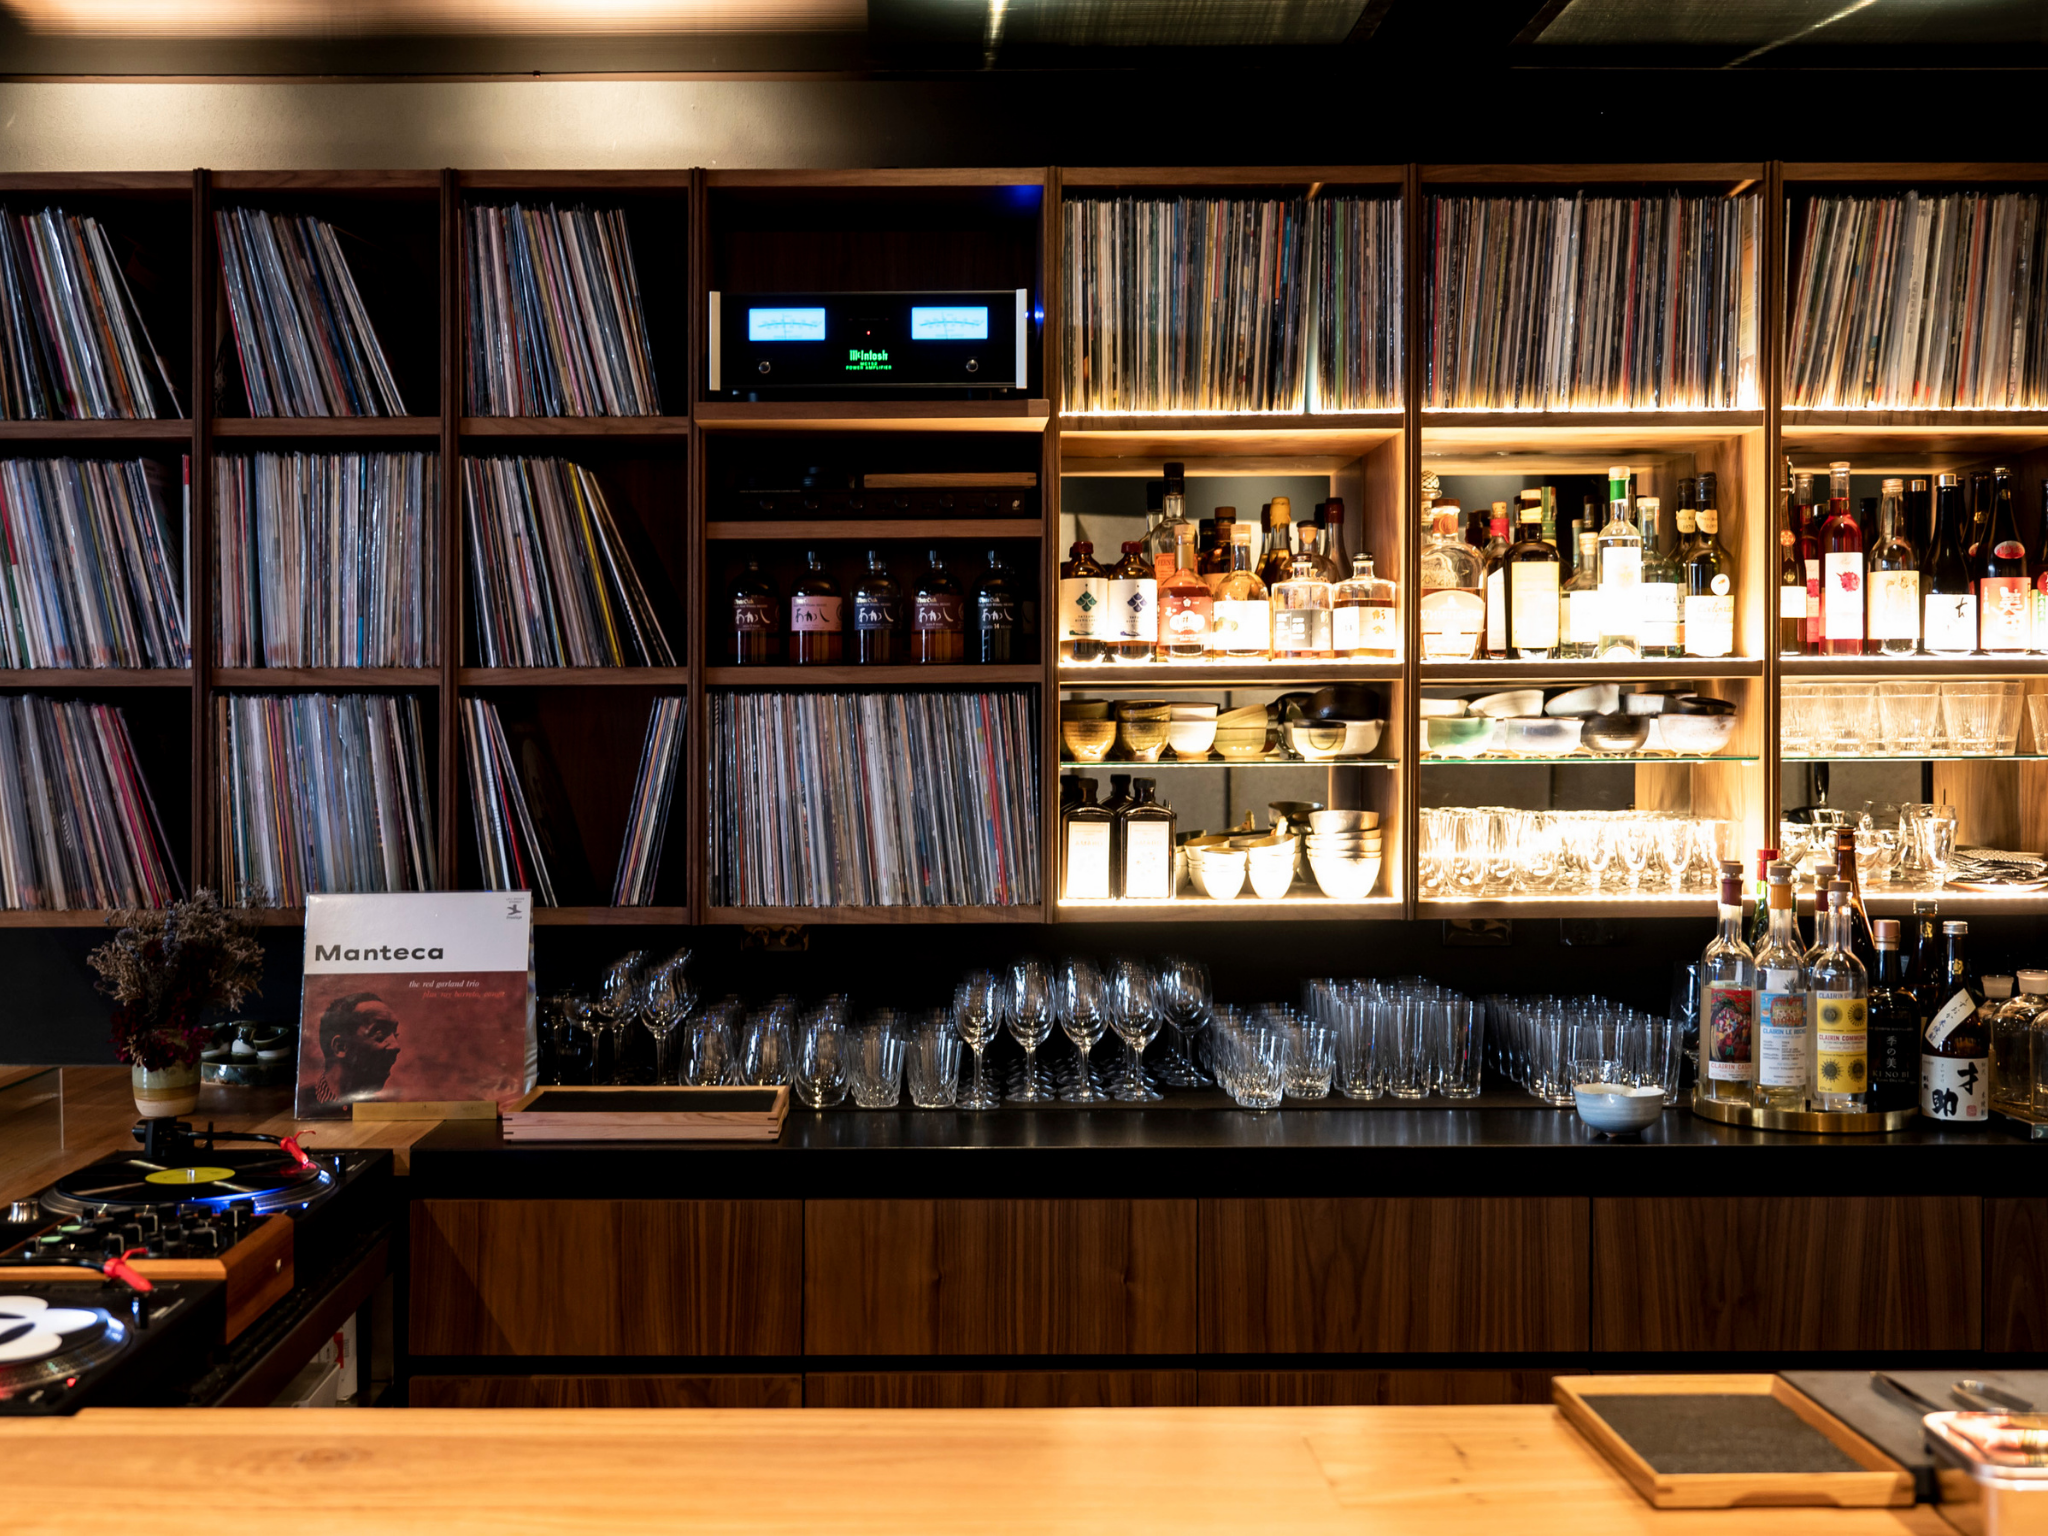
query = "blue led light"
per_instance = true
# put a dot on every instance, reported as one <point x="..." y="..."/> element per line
<point x="955" y="322"/>
<point x="785" y="325"/>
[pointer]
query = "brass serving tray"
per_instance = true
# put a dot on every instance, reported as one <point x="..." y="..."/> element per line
<point x="1875" y="1122"/>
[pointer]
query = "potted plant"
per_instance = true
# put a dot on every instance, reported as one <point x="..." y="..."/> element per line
<point x="163" y="967"/>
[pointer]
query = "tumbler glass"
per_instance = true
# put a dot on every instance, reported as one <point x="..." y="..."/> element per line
<point x="932" y="1058"/>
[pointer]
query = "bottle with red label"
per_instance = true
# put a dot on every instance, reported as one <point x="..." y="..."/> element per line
<point x="2004" y="584"/>
<point x="936" y="633"/>
<point x="756" y="622"/>
<point x="1809" y="519"/>
<point x="816" y="624"/>
<point x="2040" y="608"/>
<point x="1841" y="571"/>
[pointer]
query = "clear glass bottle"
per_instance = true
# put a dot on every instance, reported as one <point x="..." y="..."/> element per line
<point x="2013" y="1030"/>
<point x="1365" y="621"/>
<point x="1578" y="606"/>
<point x="1303" y="617"/>
<point x="1620" y="552"/>
<point x="1728" y="1002"/>
<point x="1823" y="877"/>
<point x="1663" y="610"/>
<point x="1709" y="581"/>
<point x="1186" y="607"/>
<point x="1894" y="1025"/>
<point x="1452" y="612"/>
<point x="1841" y="570"/>
<point x="995" y="616"/>
<point x="1133" y="630"/>
<point x="817" y="634"/>
<point x="2003" y="580"/>
<point x="1142" y="847"/>
<point x="1084" y="601"/>
<point x="1532" y="589"/>
<point x="1242" y="623"/>
<point x="1084" y="848"/>
<point x="1781" y="1043"/>
<point x="1894" y="578"/>
<point x="936" y="622"/>
<point x="877" y="615"/>
<point x="1948" y="623"/>
<point x="1161" y="537"/>
<point x="1838" y="1013"/>
<point x="1955" y="1047"/>
<point x="1276" y="561"/>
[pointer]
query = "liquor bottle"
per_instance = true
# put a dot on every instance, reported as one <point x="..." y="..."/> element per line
<point x="1141" y="863"/>
<point x="756" y="625"/>
<point x="1823" y="877"/>
<point x="1756" y="919"/>
<point x="1133" y="628"/>
<point x="1119" y="793"/>
<point x="1452" y="613"/>
<point x="1162" y="536"/>
<point x="1363" y="620"/>
<point x="1478" y="528"/>
<point x="1781" y="1044"/>
<point x="1620" y="551"/>
<point x="1206" y="555"/>
<point x="1532" y="589"/>
<point x="2040" y="607"/>
<point x="1980" y="514"/>
<point x="2003" y="580"/>
<point x="1242" y="620"/>
<point x="1685" y="520"/>
<point x="1846" y="870"/>
<point x="816" y="615"/>
<point x="1809" y="515"/>
<point x="1894" y="578"/>
<point x="1841" y="572"/>
<point x="2013" y="1029"/>
<point x="1894" y="1026"/>
<point x="1948" y="625"/>
<point x="1336" y="557"/>
<point x="1493" y="579"/>
<point x="1185" y="604"/>
<point x="935" y="616"/>
<point x="1920" y="520"/>
<point x="1546" y="498"/>
<point x="1792" y="582"/>
<point x="1728" y="1002"/>
<point x="1997" y="994"/>
<point x="1277" y="559"/>
<point x="1531" y="500"/>
<point x="1709" y="583"/>
<point x="1084" y="597"/>
<point x="1214" y="562"/>
<point x="995" y="616"/>
<point x="1923" y="964"/>
<point x="1303" y="619"/>
<point x="1578" y="606"/>
<point x="1084" y="843"/>
<point x="1955" y="1051"/>
<point x="1838" y="1016"/>
<point x="1663" y="613"/>
<point x="877" y="615"/>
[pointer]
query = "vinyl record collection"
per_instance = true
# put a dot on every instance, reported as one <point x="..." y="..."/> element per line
<point x="508" y="847"/>
<point x="328" y="559"/>
<point x="1918" y="302"/>
<point x="92" y="578"/>
<point x="78" y="828"/>
<point x="303" y="336"/>
<point x="874" y="799"/>
<point x="75" y="345"/>
<point x="555" y="326"/>
<point x="1207" y="304"/>
<point x="647" y="821"/>
<point x="1591" y="303"/>
<point x="553" y="583"/>
<point x="323" y="792"/>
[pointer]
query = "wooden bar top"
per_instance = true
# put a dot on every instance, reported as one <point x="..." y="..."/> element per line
<point x="1450" y="1471"/>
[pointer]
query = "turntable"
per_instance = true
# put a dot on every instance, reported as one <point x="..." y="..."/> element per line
<point x="66" y="1344"/>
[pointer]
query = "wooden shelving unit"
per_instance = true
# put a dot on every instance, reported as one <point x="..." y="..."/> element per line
<point x="696" y="231"/>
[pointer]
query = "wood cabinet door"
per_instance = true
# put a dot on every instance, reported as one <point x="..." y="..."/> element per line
<point x="606" y="1277"/>
<point x="1854" y="1272"/>
<point x="1391" y="1276"/>
<point x="999" y="1389"/>
<point x="605" y="1392"/>
<point x="999" y="1277"/>
<point x="2016" y="1276"/>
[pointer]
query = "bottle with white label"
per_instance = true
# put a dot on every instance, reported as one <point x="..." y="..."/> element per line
<point x="1955" y="1047"/>
<point x="1620" y="550"/>
<point x="1532" y="569"/>
<point x="1084" y="846"/>
<point x="1781" y="1044"/>
<point x="1452" y="611"/>
<point x="2004" y="583"/>
<point x="1948" y="625"/>
<point x="1728" y="1003"/>
<point x="1578" y="606"/>
<point x="1141" y="847"/>
<point x="1894" y="578"/>
<point x="1709" y="583"/>
<point x="1842" y="598"/>
<point x="1133" y="614"/>
<point x="1363" y="620"/>
<point x="1084" y="603"/>
<point x="1663" y="588"/>
<point x="1241" y="625"/>
<point x="1838" y="1017"/>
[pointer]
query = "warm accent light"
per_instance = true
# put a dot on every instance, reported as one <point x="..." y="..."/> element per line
<point x="343" y="18"/>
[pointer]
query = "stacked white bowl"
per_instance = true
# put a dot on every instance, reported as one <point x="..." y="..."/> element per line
<point x="1344" y="853"/>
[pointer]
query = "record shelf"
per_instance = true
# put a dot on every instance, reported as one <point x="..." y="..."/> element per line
<point x="696" y="231"/>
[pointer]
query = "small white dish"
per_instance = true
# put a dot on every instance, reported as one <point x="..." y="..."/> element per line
<point x="1343" y="821"/>
<point x="1514" y="701"/>
<point x="1592" y="699"/>
<point x="1616" y="1109"/>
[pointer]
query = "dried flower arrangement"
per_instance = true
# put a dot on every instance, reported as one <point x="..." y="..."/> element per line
<point x="165" y="965"/>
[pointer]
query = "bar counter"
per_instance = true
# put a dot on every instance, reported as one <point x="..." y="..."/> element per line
<point x="1429" y="1471"/>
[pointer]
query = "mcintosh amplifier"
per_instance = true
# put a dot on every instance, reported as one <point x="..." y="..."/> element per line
<point x="811" y="343"/>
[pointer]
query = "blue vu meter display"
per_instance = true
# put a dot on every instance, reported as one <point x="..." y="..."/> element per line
<point x="948" y="323"/>
<point x="787" y="325"/>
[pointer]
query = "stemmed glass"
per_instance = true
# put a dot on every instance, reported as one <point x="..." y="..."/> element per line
<point x="1134" y="1015"/>
<point x="1028" y="1012"/>
<point x="1083" y="1019"/>
<point x="977" y="1009"/>
<point x="619" y="1002"/>
<point x="587" y="1014"/>
<point x="1184" y="1002"/>
<point x="666" y="998"/>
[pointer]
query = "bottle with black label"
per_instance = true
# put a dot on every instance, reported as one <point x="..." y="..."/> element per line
<point x="1084" y="594"/>
<point x="756" y="619"/>
<point x="1955" y="1046"/>
<point x="816" y="615"/>
<point x="1084" y="846"/>
<point x="1894" y="1025"/>
<point x="877" y="615"/>
<point x="1133" y="623"/>
<point x="995" y="615"/>
<point x="936" y="621"/>
<point x="1142" y="847"/>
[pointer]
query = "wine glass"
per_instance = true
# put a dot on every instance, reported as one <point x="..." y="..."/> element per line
<point x="1184" y="1004"/>
<point x="1084" y="1017"/>
<point x="1134" y="1015"/>
<point x="619" y="1001"/>
<point x="587" y="1015"/>
<point x="1028" y="1012"/>
<point x="977" y="1009"/>
<point x="666" y="998"/>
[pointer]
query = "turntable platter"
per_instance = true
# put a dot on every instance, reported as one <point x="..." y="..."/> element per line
<point x="267" y="1176"/>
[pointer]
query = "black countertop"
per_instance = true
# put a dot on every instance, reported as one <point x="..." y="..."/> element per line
<point x="1200" y="1145"/>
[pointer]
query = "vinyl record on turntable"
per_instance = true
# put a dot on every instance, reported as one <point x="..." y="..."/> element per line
<point x="268" y="1176"/>
<point x="42" y="1342"/>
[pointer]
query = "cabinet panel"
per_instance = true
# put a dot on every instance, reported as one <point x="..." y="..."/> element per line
<point x="1337" y="1389"/>
<point x="605" y="1392"/>
<point x="1000" y="1389"/>
<point x="999" y="1277"/>
<point x="2016" y="1275"/>
<point x="1854" y="1272"/>
<point x="606" y="1277"/>
<point x="1333" y="1276"/>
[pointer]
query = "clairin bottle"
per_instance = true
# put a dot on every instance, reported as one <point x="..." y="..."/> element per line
<point x="1728" y="1002"/>
<point x="1620" y="551"/>
<point x="1781" y="1045"/>
<point x="1838" y="1014"/>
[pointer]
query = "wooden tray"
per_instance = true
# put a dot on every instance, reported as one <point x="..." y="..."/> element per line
<point x="647" y="1114"/>
<point x="1875" y="1481"/>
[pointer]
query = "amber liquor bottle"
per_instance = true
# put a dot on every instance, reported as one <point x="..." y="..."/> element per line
<point x="1133" y="622"/>
<point x="1085" y="830"/>
<point x="756" y="619"/>
<point x="877" y="615"/>
<point x="1084" y="593"/>
<point x="935" y="616"/>
<point x="1141" y="847"/>
<point x="816" y="615"/>
<point x="995" y="614"/>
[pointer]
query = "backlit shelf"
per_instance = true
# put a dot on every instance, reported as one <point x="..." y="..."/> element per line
<point x="1914" y="757"/>
<point x="1582" y="760"/>
<point x="1244" y="908"/>
<point x="1908" y="667"/>
<point x="1215" y="674"/>
<point x="1223" y="762"/>
<point x="1564" y="671"/>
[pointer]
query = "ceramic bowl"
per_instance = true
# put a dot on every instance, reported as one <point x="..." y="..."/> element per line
<point x="1321" y="822"/>
<point x="1344" y="879"/>
<point x="1241" y="744"/>
<point x="1700" y="704"/>
<point x="1345" y="701"/>
<point x="1192" y="712"/>
<point x="1539" y="736"/>
<point x="1271" y="870"/>
<point x="1245" y="715"/>
<point x="1191" y="738"/>
<point x="1647" y="701"/>
<point x="1694" y="735"/>
<point x="1593" y="699"/>
<point x="1615" y="1109"/>
<point x="1441" y="708"/>
<point x="1361" y="737"/>
<point x="1313" y="740"/>
<point x="1514" y="701"/>
<point x="1219" y="874"/>
<point x="1615" y="733"/>
<point x="1458" y="737"/>
<point x="1088" y="741"/>
<point x="1143" y="739"/>
<point x="1352" y="848"/>
<point x="1084" y="709"/>
<point x="1144" y="709"/>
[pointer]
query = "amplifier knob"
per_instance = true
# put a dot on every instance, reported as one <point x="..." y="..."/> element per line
<point x="764" y="365"/>
<point x="973" y="365"/>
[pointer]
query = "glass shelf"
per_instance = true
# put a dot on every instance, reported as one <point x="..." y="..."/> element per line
<point x="1914" y="757"/>
<point x="1219" y="762"/>
<point x="1210" y="674"/>
<point x="1577" y="759"/>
